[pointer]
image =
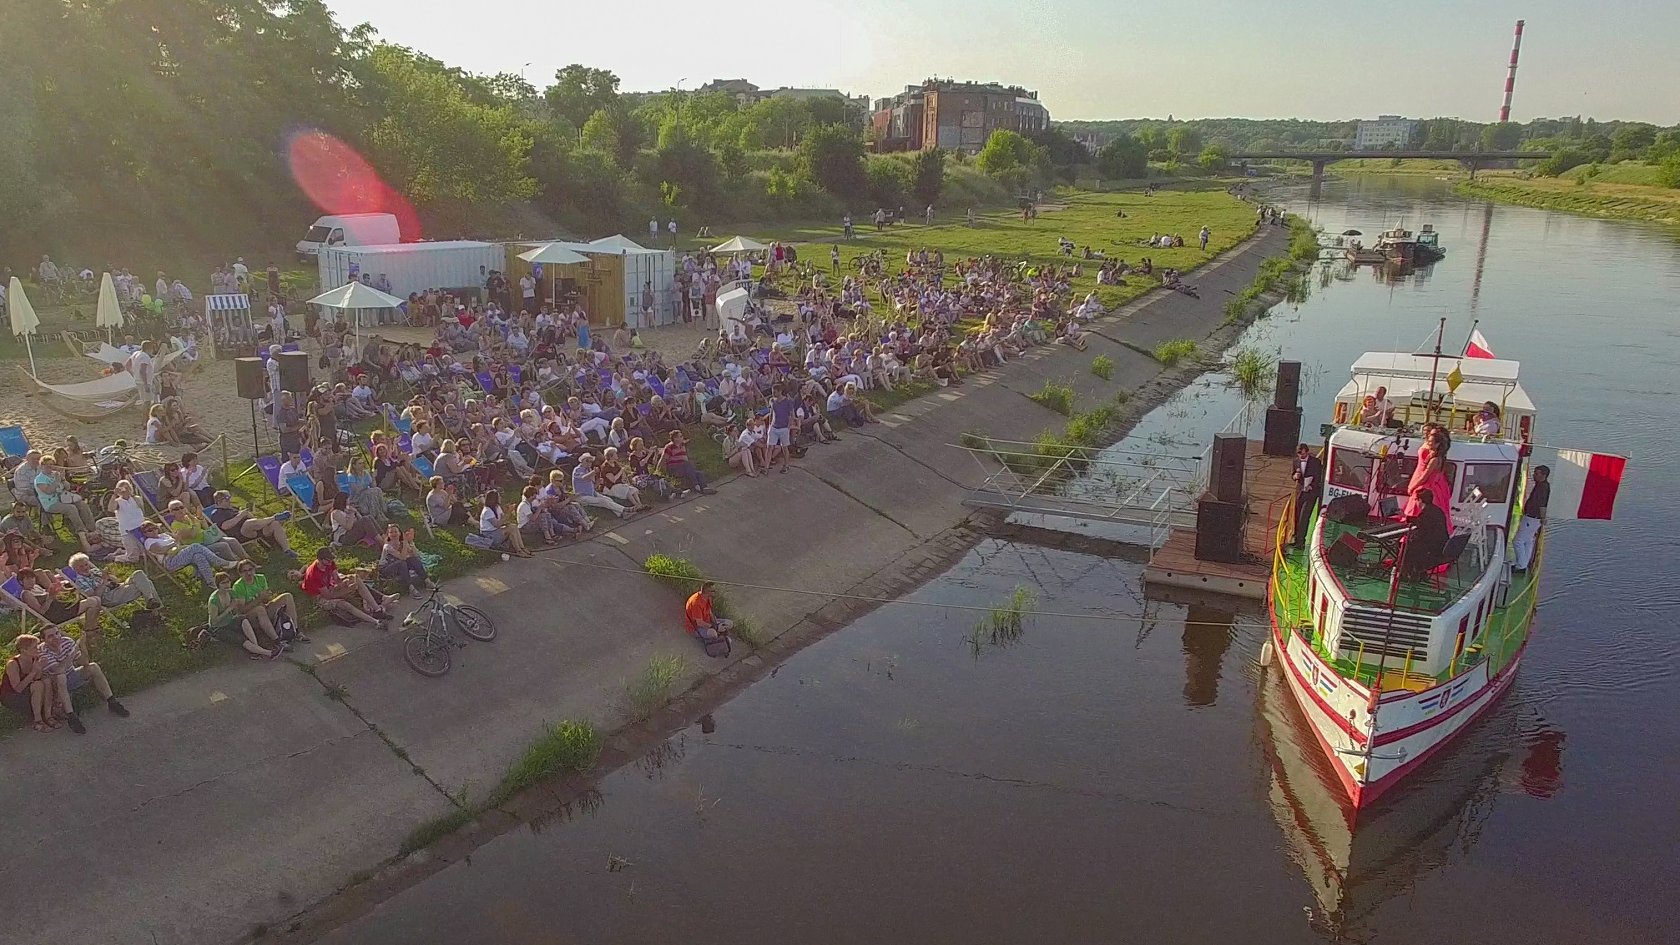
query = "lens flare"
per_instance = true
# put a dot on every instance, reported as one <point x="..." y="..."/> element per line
<point x="337" y="179"/>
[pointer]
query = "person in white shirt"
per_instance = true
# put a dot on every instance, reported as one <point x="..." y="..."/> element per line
<point x="528" y="291"/>
<point x="672" y="226"/>
<point x="241" y="272"/>
<point x="653" y="231"/>
<point x="293" y="466"/>
<point x="140" y="365"/>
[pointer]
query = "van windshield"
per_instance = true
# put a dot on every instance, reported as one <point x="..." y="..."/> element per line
<point x="317" y="234"/>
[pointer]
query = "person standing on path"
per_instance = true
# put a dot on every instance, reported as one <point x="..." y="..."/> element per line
<point x="780" y="438"/>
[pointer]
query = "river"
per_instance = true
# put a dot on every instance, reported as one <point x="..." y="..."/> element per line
<point x="1123" y="772"/>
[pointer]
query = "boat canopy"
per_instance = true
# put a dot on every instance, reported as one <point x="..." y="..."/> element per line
<point x="1407" y="375"/>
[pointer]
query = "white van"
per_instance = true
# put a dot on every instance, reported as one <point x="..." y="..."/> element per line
<point x="349" y="229"/>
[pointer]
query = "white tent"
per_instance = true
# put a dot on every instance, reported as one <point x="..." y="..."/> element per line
<point x="356" y="297"/>
<point x="620" y="242"/>
<point x="558" y="254"/>
<point x="23" y="317"/>
<point x="739" y="244"/>
<point x="109" y="314"/>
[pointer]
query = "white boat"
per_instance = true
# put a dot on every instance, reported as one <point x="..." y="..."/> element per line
<point x="1388" y="664"/>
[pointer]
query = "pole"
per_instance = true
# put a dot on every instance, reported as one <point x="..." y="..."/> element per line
<point x="30" y="346"/>
<point x="1434" y="369"/>
<point x="1393" y="597"/>
<point x="1466" y="349"/>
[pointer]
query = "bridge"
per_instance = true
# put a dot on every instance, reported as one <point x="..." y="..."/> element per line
<point x="1473" y="160"/>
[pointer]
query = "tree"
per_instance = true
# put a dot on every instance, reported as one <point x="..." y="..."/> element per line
<point x="1501" y="136"/>
<point x="1634" y="138"/>
<point x="579" y="92"/>
<point x="1005" y="151"/>
<point x="780" y="121"/>
<point x="889" y="181"/>
<point x="1214" y="157"/>
<point x="830" y="110"/>
<point x="1668" y="172"/>
<point x="1123" y="158"/>
<point x="1440" y="134"/>
<point x="612" y="131"/>
<point x="1184" y="141"/>
<point x="1561" y="160"/>
<point x="832" y="156"/>
<point x="1064" y="152"/>
<point x="927" y="175"/>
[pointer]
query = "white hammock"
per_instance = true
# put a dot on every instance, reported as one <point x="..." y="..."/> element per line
<point x="89" y="399"/>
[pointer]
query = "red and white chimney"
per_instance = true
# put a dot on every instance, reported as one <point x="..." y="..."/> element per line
<point x="1511" y="76"/>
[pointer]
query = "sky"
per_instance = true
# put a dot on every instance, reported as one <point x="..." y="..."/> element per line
<point x="1093" y="59"/>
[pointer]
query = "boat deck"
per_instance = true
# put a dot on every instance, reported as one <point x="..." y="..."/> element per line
<point x="1368" y="579"/>
<point x="1266" y="483"/>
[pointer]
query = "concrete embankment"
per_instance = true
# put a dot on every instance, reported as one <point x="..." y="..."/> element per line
<point x="234" y="799"/>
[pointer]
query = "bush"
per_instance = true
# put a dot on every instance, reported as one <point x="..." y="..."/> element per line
<point x="566" y="748"/>
<point x="653" y="688"/>
<point x="1253" y="371"/>
<point x="1102" y="366"/>
<point x="1668" y="172"/>
<point x="1058" y="397"/>
<point x="677" y="572"/>
<point x="1170" y="353"/>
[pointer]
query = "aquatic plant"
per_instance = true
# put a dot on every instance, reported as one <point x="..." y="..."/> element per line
<point x="1102" y="366"/>
<point x="567" y="747"/>
<point x="1253" y="370"/>
<point x="1005" y="623"/>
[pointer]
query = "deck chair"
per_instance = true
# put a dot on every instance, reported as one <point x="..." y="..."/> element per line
<point x="13" y="443"/>
<point x="308" y="456"/>
<point x="146" y="483"/>
<point x="516" y="374"/>
<point x="11" y="597"/>
<point x="656" y="385"/>
<point x="485" y="381"/>
<point x="270" y="466"/>
<point x="301" y="488"/>
<point x="423" y="466"/>
<point x="405" y="443"/>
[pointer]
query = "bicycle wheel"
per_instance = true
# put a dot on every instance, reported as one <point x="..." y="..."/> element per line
<point x="427" y="654"/>
<point x="475" y="623"/>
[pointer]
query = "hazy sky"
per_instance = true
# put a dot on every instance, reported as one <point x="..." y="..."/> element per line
<point x="1097" y="58"/>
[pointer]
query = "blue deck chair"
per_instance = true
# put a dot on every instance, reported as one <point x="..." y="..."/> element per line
<point x="146" y="483"/>
<point x="13" y="442"/>
<point x="308" y="457"/>
<point x="302" y="490"/>
<point x="403" y="425"/>
<point x="405" y="443"/>
<point x="486" y="382"/>
<point x="656" y="385"/>
<point x="516" y="374"/>
<point x="423" y="466"/>
<point x="343" y="480"/>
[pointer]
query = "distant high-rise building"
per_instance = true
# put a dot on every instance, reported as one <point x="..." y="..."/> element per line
<point x="1387" y="132"/>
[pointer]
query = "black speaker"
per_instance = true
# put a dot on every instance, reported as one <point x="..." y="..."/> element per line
<point x="1219" y="528"/>
<point x="1345" y="552"/>
<point x="1349" y="510"/>
<point x="1288" y="390"/>
<point x="1225" y="479"/>
<point x="294" y="371"/>
<point x="1283" y="431"/>
<point x="249" y="378"/>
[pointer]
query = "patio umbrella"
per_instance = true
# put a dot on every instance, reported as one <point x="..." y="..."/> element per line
<point x="109" y="315"/>
<point x="353" y="297"/>
<point x="553" y="254"/>
<point x="24" y="320"/>
<point x="1352" y="233"/>
<point x="739" y="244"/>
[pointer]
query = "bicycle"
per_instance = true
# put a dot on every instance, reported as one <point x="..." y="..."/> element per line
<point x="430" y="645"/>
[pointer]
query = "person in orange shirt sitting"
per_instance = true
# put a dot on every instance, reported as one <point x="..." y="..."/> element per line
<point x="701" y="621"/>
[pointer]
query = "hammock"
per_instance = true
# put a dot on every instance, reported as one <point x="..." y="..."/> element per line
<point x="89" y="400"/>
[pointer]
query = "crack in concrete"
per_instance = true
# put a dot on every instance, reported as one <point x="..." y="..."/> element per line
<point x="341" y="695"/>
<point x="848" y="494"/>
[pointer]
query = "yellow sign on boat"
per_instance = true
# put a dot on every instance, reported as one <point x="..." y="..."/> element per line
<point x="1454" y="379"/>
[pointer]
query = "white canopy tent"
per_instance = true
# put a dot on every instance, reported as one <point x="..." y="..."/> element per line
<point x="23" y="318"/>
<point x="356" y="297"/>
<point x="739" y="244"/>
<point x="558" y="254"/>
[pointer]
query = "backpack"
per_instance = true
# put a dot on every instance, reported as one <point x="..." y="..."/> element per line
<point x="284" y="629"/>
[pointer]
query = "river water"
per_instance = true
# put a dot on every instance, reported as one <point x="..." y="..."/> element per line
<point x="1134" y="777"/>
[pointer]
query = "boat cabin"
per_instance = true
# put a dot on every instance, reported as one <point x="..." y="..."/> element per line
<point x="1368" y="612"/>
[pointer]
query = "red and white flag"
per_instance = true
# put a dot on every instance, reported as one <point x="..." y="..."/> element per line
<point x="1477" y="346"/>
<point x="1584" y="485"/>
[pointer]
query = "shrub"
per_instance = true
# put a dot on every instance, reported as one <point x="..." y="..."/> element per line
<point x="1102" y="366"/>
<point x="1170" y="353"/>
<point x="1058" y="397"/>
<point x="677" y="572"/>
<point x="565" y="748"/>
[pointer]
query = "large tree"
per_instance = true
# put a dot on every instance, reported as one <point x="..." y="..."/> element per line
<point x="1123" y="158"/>
<point x="927" y="175"/>
<point x="579" y="92"/>
<point x="832" y="156"/>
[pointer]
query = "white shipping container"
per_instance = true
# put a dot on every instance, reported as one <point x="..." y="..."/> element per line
<point x="412" y="267"/>
<point x="642" y="266"/>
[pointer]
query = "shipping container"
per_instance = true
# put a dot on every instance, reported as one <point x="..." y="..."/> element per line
<point x="457" y="266"/>
<point x="610" y="285"/>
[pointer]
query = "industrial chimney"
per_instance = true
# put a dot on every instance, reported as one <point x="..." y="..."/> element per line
<point x="1511" y="76"/>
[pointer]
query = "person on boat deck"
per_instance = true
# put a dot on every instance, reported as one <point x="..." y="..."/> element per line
<point x="1486" y="422"/>
<point x="1377" y="410"/>
<point x="1427" y="541"/>
<point x="1309" y="478"/>
<point x="1430" y="473"/>
<point x="1534" y="516"/>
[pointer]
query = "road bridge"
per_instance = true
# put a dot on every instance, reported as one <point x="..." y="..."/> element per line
<point x="1473" y="160"/>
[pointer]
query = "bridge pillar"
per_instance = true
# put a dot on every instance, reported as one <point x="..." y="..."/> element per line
<point x="1318" y="171"/>
<point x="1471" y="164"/>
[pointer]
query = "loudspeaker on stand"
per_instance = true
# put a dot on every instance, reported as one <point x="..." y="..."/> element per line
<point x="248" y="378"/>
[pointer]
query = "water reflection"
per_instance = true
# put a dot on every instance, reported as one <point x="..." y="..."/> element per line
<point x="1207" y="635"/>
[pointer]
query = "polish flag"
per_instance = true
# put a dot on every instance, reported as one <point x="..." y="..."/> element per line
<point x="1478" y="346"/>
<point x="1584" y="485"/>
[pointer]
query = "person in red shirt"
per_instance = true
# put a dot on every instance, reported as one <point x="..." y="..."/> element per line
<point x="701" y="621"/>
<point x="338" y="594"/>
<point x="679" y="465"/>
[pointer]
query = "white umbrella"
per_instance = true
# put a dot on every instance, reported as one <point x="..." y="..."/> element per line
<point x="619" y="241"/>
<point x="353" y="296"/>
<point x="554" y="254"/>
<point x="739" y="244"/>
<point x="24" y="320"/>
<point x="109" y="315"/>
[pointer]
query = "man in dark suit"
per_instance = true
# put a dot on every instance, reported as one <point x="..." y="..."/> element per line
<point x="1424" y="546"/>
<point x="1309" y="488"/>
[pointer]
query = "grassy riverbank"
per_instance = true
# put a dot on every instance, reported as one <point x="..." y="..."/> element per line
<point x="1596" y="197"/>
<point x="1411" y="167"/>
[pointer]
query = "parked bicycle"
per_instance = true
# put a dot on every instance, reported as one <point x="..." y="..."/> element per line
<point x="430" y="645"/>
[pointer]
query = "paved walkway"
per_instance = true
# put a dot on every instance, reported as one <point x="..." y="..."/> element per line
<point x="235" y="797"/>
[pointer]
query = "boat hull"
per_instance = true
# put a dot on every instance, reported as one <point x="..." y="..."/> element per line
<point x="1374" y="749"/>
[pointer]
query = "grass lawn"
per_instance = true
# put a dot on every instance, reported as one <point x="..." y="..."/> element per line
<point x="1089" y="219"/>
<point x="1597" y="197"/>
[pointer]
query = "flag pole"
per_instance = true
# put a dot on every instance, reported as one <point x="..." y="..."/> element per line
<point x="1470" y="337"/>
<point x="1434" y="369"/>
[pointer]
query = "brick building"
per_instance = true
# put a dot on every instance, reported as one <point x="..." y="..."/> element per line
<point x="958" y="116"/>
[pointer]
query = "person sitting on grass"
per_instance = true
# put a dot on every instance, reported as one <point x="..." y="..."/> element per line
<point x="499" y="527"/>
<point x="40" y="595"/>
<point x="681" y="468"/>
<point x="568" y="516"/>
<point x="175" y="556"/>
<point x="367" y="497"/>
<point x="23" y="685"/>
<point x="68" y="670"/>
<point x="250" y="591"/>
<point x="399" y="561"/>
<point x="93" y="583"/>
<point x="344" y="596"/>
<point x="739" y="451"/>
<point x="702" y="623"/>
<point x="189" y="526"/>
<point x="535" y="524"/>
<point x="227" y="622"/>
<point x="350" y="526"/>
<point x="584" y="487"/>
<point x="443" y="504"/>
<point x="18" y="522"/>
<point x="240" y="523"/>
